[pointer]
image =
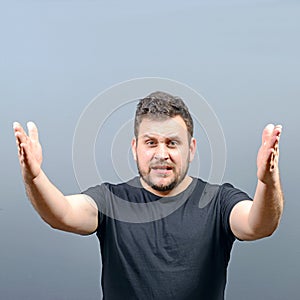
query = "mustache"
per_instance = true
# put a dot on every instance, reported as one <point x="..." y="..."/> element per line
<point x="158" y="165"/>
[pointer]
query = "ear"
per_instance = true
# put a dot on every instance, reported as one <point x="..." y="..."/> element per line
<point x="133" y="148"/>
<point x="193" y="147"/>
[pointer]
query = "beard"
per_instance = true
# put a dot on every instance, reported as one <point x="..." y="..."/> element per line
<point x="178" y="178"/>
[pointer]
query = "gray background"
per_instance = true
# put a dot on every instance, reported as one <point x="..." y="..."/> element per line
<point x="56" y="56"/>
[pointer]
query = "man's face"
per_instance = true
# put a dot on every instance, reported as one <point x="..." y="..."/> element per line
<point x="163" y="152"/>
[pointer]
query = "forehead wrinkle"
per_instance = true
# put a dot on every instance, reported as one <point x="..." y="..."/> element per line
<point x="156" y="135"/>
<point x="173" y="128"/>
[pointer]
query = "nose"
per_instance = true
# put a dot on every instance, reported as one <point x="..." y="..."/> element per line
<point x="161" y="152"/>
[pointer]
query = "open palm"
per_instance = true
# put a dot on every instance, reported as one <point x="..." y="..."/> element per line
<point x="268" y="154"/>
<point x="29" y="150"/>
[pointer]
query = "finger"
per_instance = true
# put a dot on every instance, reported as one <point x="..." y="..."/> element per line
<point x="267" y="133"/>
<point x="21" y="152"/>
<point x="20" y="134"/>
<point x="272" y="142"/>
<point x="274" y="159"/>
<point x="33" y="131"/>
<point x="18" y="128"/>
<point x="277" y="130"/>
<point x="16" y="125"/>
<point x="275" y="154"/>
<point x="24" y="152"/>
<point x="274" y="139"/>
<point x="272" y="162"/>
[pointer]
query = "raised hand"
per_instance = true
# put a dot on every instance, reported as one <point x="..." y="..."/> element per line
<point x="29" y="150"/>
<point x="268" y="155"/>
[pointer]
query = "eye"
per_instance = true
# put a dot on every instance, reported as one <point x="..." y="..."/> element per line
<point x="150" y="143"/>
<point x="172" y="144"/>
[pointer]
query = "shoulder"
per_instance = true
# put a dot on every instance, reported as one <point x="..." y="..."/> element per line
<point x="232" y="193"/>
<point x="225" y="193"/>
<point x="106" y="189"/>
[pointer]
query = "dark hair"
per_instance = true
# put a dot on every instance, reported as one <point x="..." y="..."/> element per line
<point x="161" y="105"/>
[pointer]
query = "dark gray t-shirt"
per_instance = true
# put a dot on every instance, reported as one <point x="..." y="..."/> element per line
<point x="181" y="254"/>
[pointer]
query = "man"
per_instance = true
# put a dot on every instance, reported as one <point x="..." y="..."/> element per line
<point x="179" y="255"/>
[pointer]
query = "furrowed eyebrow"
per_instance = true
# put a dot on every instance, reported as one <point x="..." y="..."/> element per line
<point x="174" y="137"/>
<point x="145" y="136"/>
<point x="170" y="137"/>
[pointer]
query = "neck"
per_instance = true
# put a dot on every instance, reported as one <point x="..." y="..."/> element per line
<point x="175" y="191"/>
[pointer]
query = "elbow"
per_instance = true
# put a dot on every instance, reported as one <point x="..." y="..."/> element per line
<point x="54" y="226"/>
<point x="265" y="230"/>
<point x="265" y="234"/>
<point x="271" y="231"/>
<point x="53" y="223"/>
<point x="70" y="229"/>
<point x="261" y="234"/>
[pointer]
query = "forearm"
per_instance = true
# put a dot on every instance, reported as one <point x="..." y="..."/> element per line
<point x="48" y="201"/>
<point x="74" y="213"/>
<point x="266" y="211"/>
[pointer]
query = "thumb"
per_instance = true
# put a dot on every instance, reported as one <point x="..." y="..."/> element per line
<point x="267" y="132"/>
<point x="33" y="131"/>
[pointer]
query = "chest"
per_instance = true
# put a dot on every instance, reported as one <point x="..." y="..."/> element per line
<point x="181" y="239"/>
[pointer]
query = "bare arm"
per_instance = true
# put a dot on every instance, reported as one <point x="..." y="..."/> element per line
<point x="260" y="218"/>
<point x="76" y="213"/>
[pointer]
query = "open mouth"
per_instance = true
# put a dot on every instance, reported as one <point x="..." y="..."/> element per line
<point x="163" y="168"/>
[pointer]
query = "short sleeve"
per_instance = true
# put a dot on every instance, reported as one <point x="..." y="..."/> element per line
<point x="229" y="197"/>
<point x="98" y="195"/>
